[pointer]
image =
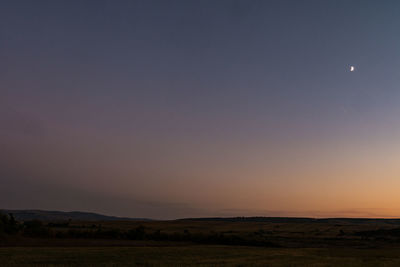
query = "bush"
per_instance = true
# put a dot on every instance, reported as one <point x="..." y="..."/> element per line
<point x="137" y="234"/>
<point x="8" y="224"/>
<point x="35" y="228"/>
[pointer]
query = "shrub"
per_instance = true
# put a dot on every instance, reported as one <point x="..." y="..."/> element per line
<point x="8" y="224"/>
<point x="35" y="228"/>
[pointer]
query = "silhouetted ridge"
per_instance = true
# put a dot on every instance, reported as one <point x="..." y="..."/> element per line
<point x="44" y="215"/>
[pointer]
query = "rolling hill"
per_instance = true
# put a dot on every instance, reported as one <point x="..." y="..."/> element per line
<point x="44" y="215"/>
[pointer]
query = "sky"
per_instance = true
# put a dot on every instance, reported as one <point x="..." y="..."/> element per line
<point x="171" y="109"/>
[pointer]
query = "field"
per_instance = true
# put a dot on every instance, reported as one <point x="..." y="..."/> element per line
<point x="195" y="256"/>
<point x="214" y="242"/>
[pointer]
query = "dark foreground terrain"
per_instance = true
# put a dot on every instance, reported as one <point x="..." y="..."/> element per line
<point x="196" y="255"/>
<point x="213" y="241"/>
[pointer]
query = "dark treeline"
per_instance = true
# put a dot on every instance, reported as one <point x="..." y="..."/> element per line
<point x="38" y="229"/>
<point x="297" y="220"/>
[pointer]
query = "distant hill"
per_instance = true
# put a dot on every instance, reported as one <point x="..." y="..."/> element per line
<point x="44" y="215"/>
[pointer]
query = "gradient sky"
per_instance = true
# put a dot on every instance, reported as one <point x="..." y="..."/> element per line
<point x="168" y="109"/>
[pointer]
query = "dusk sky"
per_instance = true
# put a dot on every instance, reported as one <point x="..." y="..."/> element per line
<point x="171" y="109"/>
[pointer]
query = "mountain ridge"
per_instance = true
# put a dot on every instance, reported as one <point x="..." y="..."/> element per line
<point x="52" y="215"/>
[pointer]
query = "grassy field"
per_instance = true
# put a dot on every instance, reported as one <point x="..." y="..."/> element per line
<point x="341" y="233"/>
<point x="205" y="243"/>
<point x="195" y="256"/>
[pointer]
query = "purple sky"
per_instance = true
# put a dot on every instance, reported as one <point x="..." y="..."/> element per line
<point x="169" y="109"/>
